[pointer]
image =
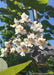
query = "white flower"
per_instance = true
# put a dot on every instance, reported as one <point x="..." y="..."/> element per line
<point x="6" y="43"/>
<point x="31" y="35"/>
<point x="35" y="42"/>
<point x="41" y="47"/>
<point x="30" y="40"/>
<point x="23" y="46"/>
<point x="18" y="49"/>
<point x="42" y="43"/>
<point x="12" y="50"/>
<point x="16" y="41"/>
<point x="38" y="35"/>
<point x="3" y="52"/>
<point x="23" y="32"/>
<point x="22" y="54"/>
<point x="24" y="17"/>
<point x="18" y="36"/>
<point x="2" y="55"/>
<point x="21" y="21"/>
<point x="35" y="22"/>
<point x="19" y="29"/>
<point x="41" y="30"/>
<point x="16" y="23"/>
<point x="37" y="27"/>
<point x="22" y="43"/>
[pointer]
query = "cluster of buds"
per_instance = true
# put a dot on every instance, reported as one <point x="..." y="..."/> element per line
<point x="33" y="38"/>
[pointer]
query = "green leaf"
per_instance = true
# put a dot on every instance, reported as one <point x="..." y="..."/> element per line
<point x="5" y="11"/>
<point x="51" y="13"/>
<point x="2" y="27"/>
<point x="48" y="37"/>
<point x="47" y="17"/>
<point x="39" y="16"/>
<point x="46" y="24"/>
<point x="35" y="4"/>
<point x="15" y="69"/>
<point x="50" y="72"/>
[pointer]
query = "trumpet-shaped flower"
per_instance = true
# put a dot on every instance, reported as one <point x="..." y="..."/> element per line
<point x="42" y="43"/>
<point x="18" y="49"/>
<point x="23" y="46"/>
<point x="38" y="35"/>
<point x="3" y="52"/>
<point x="37" y="27"/>
<point x="6" y="43"/>
<point x="30" y="40"/>
<point x="19" y="29"/>
<point x="12" y="50"/>
<point x="16" y="41"/>
<point x="16" y="23"/>
<point x="22" y="54"/>
<point x="25" y="17"/>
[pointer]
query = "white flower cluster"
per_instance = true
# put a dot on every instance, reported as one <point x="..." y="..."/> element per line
<point x="33" y="39"/>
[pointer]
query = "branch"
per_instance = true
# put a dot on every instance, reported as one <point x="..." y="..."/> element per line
<point x="35" y="15"/>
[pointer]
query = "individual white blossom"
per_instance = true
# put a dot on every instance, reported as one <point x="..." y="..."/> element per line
<point x="12" y="50"/>
<point x="37" y="27"/>
<point x="6" y="43"/>
<point x="3" y="52"/>
<point x="23" y="46"/>
<point x="42" y="43"/>
<point x="30" y="40"/>
<point x="38" y="35"/>
<point x="35" y="22"/>
<point x="16" y="23"/>
<point x="19" y="29"/>
<point x="22" y="21"/>
<point x="22" y="54"/>
<point x="2" y="55"/>
<point x="18" y="49"/>
<point x="16" y="41"/>
<point x="24" y="32"/>
<point x="24" y="17"/>
<point x="31" y="35"/>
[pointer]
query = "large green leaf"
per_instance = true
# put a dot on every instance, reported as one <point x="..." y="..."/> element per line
<point x="15" y="69"/>
<point x="35" y="4"/>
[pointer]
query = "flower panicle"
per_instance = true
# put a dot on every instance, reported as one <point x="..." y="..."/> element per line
<point x="23" y="45"/>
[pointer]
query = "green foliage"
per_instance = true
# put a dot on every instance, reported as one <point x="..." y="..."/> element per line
<point x="50" y="10"/>
<point x="35" y="4"/>
<point x="48" y="36"/>
<point x="46" y="24"/>
<point x="14" y="59"/>
<point x="15" y="69"/>
<point x="46" y="64"/>
<point x="47" y="13"/>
